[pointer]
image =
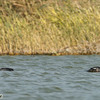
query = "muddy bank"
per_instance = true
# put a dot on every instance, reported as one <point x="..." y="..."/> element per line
<point x="80" y="49"/>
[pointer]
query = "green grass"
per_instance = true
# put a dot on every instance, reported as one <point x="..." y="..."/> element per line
<point x="46" y="26"/>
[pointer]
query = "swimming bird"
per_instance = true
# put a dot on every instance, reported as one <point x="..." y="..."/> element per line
<point x="6" y="69"/>
<point x="94" y="69"/>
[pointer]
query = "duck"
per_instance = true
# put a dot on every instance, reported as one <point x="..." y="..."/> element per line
<point x="6" y="69"/>
<point x="94" y="69"/>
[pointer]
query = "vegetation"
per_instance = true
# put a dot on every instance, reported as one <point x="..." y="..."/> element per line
<point x="48" y="26"/>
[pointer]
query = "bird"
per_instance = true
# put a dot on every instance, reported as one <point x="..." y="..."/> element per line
<point x="6" y="69"/>
<point x="94" y="69"/>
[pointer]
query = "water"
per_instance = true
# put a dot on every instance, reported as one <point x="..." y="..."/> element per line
<point x="50" y="78"/>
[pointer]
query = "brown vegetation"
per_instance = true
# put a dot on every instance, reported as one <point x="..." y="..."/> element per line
<point x="52" y="27"/>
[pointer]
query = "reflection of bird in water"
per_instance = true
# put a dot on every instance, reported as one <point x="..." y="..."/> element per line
<point x="6" y="69"/>
<point x="94" y="69"/>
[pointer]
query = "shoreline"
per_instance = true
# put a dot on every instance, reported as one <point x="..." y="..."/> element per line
<point x="48" y="54"/>
<point x="74" y="50"/>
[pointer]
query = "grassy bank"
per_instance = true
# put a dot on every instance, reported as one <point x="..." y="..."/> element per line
<point x="48" y="26"/>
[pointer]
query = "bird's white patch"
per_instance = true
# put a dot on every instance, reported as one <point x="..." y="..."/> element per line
<point x="94" y="68"/>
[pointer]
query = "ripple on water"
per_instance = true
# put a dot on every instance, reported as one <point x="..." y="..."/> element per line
<point x="50" y="89"/>
<point x="49" y="78"/>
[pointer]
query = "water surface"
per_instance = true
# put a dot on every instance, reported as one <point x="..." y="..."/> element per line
<point x="50" y="78"/>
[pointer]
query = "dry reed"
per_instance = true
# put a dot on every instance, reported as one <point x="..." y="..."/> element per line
<point x="49" y="26"/>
